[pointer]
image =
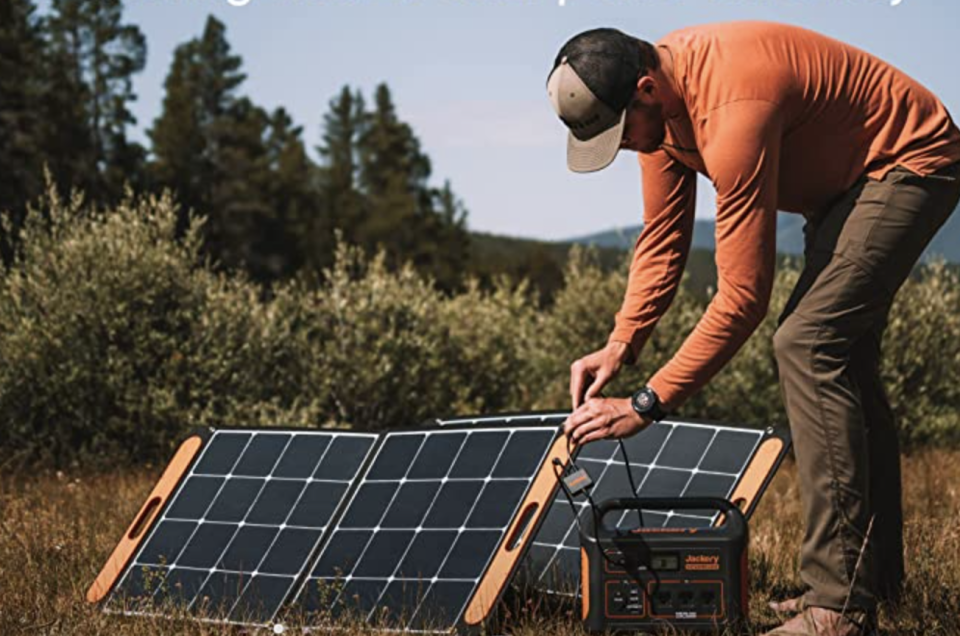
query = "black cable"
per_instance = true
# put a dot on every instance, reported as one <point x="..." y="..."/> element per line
<point x="566" y="492"/>
<point x="633" y="485"/>
<point x="557" y="468"/>
<point x="576" y="513"/>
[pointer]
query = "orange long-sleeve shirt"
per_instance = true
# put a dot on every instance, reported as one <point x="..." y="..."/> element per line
<point x="778" y="118"/>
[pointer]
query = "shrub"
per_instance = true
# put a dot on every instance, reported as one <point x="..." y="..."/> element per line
<point x="92" y="317"/>
<point x="116" y="338"/>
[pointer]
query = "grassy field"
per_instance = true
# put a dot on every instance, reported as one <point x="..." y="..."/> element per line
<point x="56" y="531"/>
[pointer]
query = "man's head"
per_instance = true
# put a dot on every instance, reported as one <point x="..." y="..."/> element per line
<point x="606" y="89"/>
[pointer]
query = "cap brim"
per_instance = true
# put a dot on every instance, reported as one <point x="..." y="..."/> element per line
<point x="598" y="152"/>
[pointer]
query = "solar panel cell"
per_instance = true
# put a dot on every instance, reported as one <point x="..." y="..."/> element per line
<point x="179" y="587"/>
<point x="218" y="593"/>
<point x="454" y="502"/>
<point x="278" y="498"/>
<point x="221" y="457"/>
<point x="195" y="498"/>
<point x="426" y="554"/>
<point x="437" y="456"/>
<point x="478" y="455"/>
<point x="289" y="551"/>
<point x="496" y="504"/>
<point x="469" y="554"/>
<point x="234" y="500"/>
<point x="316" y="505"/>
<point x="260" y="455"/>
<point x="247" y="548"/>
<point x="729" y="452"/>
<point x="410" y="504"/>
<point x="301" y="458"/>
<point x="167" y="542"/>
<point x="344" y="457"/>
<point x="261" y="599"/>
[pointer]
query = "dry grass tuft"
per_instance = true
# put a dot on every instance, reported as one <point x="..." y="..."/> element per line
<point x="56" y="530"/>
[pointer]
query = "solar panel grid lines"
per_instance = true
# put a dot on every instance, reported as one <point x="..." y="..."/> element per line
<point x="427" y="518"/>
<point x="237" y="532"/>
<point x="670" y="459"/>
<point x="406" y="529"/>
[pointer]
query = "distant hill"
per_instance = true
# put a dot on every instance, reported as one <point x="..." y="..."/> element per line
<point x="789" y="237"/>
<point x="542" y="262"/>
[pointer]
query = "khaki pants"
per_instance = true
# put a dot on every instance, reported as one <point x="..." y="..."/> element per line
<point x="859" y="251"/>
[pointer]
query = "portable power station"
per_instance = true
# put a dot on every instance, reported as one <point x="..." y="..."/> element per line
<point x="648" y="578"/>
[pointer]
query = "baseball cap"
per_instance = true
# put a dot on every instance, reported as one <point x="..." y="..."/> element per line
<point x="593" y="79"/>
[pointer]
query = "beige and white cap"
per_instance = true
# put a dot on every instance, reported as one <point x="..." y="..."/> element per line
<point x="595" y="129"/>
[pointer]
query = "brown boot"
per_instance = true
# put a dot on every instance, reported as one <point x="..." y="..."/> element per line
<point x="788" y="607"/>
<point x="820" y="621"/>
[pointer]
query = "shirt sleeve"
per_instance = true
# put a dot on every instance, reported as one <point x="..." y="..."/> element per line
<point x="740" y="145"/>
<point x="660" y="253"/>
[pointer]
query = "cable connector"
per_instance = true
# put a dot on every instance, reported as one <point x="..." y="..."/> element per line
<point x="577" y="481"/>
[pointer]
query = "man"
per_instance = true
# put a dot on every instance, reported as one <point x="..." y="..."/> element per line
<point x="777" y="117"/>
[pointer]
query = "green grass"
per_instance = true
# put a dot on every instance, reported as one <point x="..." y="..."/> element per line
<point x="56" y="530"/>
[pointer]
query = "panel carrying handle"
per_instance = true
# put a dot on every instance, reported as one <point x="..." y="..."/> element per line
<point x="130" y="541"/>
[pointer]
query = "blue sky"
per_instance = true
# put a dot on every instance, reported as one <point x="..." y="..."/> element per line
<point x="469" y="76"/>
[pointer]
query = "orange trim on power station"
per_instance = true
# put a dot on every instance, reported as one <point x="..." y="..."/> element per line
<point x="145" y="517"/>
<point x="757" y="472"/>
<point x="533" y="507"/>
<point x="584" y="583"/>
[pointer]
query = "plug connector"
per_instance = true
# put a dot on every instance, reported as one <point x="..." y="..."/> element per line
<point x="577" y="481"/>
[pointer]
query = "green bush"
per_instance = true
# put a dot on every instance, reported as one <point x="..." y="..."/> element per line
<point x="116" y="338"/>
<point x="92" y="319"/>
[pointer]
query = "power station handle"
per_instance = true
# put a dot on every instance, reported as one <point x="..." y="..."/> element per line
<point x="732" y="515"/>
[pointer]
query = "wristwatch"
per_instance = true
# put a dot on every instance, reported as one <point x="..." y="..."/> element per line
<point x="647" y="404"/>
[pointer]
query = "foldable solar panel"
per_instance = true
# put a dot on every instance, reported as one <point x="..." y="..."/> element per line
<point x="418" y="530"/>
<point x="673" y="458"/>
<point x="228" y="529"/>
<point x="437" y="527"/>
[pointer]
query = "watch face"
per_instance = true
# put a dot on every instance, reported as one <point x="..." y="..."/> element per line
<point x="643" y="400"/>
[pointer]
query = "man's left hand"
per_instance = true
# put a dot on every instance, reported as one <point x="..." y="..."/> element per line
<point x="600" y="418"/>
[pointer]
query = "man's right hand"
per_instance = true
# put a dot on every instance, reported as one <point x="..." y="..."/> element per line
<point x="590" y="374"/>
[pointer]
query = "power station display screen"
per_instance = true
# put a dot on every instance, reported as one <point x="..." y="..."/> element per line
<point x="665" y="561"/>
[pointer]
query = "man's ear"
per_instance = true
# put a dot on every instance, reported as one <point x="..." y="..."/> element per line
<point x="646" y="88"/>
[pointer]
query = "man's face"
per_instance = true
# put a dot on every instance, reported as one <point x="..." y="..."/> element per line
<point x="645" y="126"/>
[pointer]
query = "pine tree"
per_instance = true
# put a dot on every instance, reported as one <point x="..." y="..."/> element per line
<point x="93" y="59"/>
<point x="239" y="205"/>
<point x="211" y="148"/>
<point x="342" y="207"/>
<point x="393" y="175"/>
<point x="178" y="135"/>
<point x="21" y="48"/>
<point x="287" y="240"/>
<point x="403" y="215"/>
<point x="449" y="237"/>
<point x="200" y="89"/>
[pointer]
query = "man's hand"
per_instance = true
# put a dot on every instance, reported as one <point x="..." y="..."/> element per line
<point x="599" y="418"/>
<point x="590" y="374"/>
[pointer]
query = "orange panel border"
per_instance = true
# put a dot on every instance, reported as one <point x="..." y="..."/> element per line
<point x="584" y="584"/>
<point x="760" y="470"/>
<point x="502" y="565"/>
<point x="144" y="519"/>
